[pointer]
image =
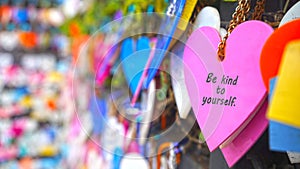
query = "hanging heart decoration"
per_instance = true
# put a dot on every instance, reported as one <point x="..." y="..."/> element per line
<point x="236" y="149"/>
<point x="224" y="95"/>
<point x="208" y="16"/>
<point x="273" y="49"/>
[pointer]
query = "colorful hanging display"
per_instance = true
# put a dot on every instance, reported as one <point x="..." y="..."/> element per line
<point x="112" y="84"/>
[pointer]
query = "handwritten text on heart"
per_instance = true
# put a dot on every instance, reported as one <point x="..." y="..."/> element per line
<point x="225" y="80"/>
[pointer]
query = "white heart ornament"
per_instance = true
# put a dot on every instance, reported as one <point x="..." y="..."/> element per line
<point x="208" y="16"/>
<point x="9" y="40"/>
<point x="292" y="14"/>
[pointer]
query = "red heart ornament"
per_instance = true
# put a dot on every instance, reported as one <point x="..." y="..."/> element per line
<point x="274" y="47"/>
<point x="225" y="95"/>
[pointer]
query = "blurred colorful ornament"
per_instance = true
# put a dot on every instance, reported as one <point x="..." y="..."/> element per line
<point x="70" y="8"/>
<point x="98" y="109"/>
<point x="28" y="39"/>
<point x="6" y="13"/>
<point x="9" y="40"/>
<point x="147" y="105"/>
<point x="186" y="14"/>
<point x="144" y="74"/>
<point x="118" y="153"/>
<point x="48" y="151"/>
<point x="54" y="77"/>
<point x="166" y="32"/>
<point x="26" y="163"/>
<point x="51" y="104"/>
<point x="32" y="13"/>
<point x="103" y="61"/>
<point x="8" y="153"/>
<point x="133" y="59"/>
<point x="77" y="44"/>
<point x="26" y="102"/>
<point x="20" y="15"/>
<point x="55" y="17"/>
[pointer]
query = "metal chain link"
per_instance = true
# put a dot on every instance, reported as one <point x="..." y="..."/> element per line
<point x="258" y="10"/>
<point x="238" y="17"/>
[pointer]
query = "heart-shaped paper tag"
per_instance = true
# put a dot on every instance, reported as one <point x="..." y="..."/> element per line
<point x="236" y="149"/>
<point x="225" y="94"/>
<point x="244" y="140"/>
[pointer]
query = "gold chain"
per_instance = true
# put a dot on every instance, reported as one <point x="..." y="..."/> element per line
<point x="258" y="10"/>
<point x="238" y="17"/>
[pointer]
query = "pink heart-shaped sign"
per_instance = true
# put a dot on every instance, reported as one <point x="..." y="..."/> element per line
<point x="225" y="95"/>
<point x="236" y="149"/>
